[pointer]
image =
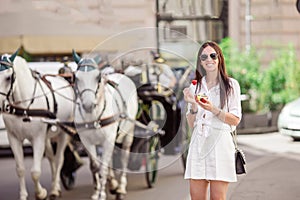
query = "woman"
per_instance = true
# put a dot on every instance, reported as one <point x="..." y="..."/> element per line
<point x="210" y="160"/>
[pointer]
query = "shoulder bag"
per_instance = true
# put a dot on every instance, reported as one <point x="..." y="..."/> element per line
<point x="240" y="159"/>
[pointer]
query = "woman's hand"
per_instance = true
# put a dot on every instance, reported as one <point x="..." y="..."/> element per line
<point x="188" y="96"/>
<point x="207" y="105"/>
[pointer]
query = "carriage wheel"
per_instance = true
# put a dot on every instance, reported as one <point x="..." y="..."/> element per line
<point x="152" y="161"/>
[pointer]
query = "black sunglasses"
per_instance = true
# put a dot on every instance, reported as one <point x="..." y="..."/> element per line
<point x="213" y="56"/>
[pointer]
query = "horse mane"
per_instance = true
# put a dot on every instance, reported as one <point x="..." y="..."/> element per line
<point x="21" y="67"/>
<point x="101" y="90"/>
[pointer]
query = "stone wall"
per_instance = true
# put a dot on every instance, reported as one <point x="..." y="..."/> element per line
<point x="274" y="24"/>
<point x="258" y="123"/>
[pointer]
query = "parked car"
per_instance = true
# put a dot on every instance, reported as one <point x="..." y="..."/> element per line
<point x="289" y="120"/>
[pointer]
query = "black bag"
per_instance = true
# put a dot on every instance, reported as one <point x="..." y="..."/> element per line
<point x="240" y="159"/>
<point x="240" y="162"/>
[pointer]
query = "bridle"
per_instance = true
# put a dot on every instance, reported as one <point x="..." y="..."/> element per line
<point x="85" y="67"/>
<point x="100" y="121"/>
<point x="5" y="65"/>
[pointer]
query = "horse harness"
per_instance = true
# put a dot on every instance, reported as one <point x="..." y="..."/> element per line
<point x="13" y="109"/>
<point x="101" y="122"/>
<point x="27" y="113"/>
<point x="68" y="127"/>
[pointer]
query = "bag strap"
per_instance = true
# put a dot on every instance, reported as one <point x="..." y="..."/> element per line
<point x="234" y="136"/>
<point x="233" y="133"/>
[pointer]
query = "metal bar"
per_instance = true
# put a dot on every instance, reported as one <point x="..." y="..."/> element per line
<point x="170" y="17"/>
<point x="248" y="19"/>
<point x="157" y="27"/>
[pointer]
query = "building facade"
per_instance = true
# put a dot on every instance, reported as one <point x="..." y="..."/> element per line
<point x="267" y="25"/>
<point x="55" y="27"/>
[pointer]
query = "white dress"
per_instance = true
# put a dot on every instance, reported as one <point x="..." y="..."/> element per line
<point x="211" y="150"/>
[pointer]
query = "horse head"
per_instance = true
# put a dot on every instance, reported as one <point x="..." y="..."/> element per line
<point x="7" y="75"/>
<point x="87" y="79"/>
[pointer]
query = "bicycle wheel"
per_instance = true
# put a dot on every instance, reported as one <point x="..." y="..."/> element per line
<point x="186" y="137"/>
<point x="152" y="161"/>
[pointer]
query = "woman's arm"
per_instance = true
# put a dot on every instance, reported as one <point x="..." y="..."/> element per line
<point x="191" y="116"/>
<point x="193" y="107"/>
<point x="226" y="117"/>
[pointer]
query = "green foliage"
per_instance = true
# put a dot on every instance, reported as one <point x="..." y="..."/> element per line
<point x="244" y="67"/>
<point x="269" y="89"/>
<point x="281" y="83"/>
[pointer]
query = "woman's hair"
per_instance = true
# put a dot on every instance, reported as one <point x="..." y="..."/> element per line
<point x="225" y="87"/>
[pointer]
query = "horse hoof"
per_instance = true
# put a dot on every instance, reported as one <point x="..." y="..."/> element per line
<point x="95" y="197"/>
<point x="42" y="195"/>
<point x="113" y="186"/>
<point x="53" y="197"/>
<point x="120" y="196"/>
<point x="37" y="198"/>
<point x="23" y="197"/>
<point x="114" y="191"/>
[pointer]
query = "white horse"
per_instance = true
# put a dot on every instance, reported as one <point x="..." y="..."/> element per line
<point x="105" y="106"/>
<point x="26" y="102"/>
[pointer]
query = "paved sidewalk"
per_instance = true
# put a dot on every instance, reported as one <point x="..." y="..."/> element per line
<point x="275" y="175"/>
<point x="270" y="142"/>
<point x="270" y="178"/>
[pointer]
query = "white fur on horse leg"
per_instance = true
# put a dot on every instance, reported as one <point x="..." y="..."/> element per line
<point x="55" y="188"/>
<point x="123" y="177"/>
<point x="97" y="186"/>
<point x="50" y="156"/>
<point x="55" y="191"/>
<point x="17" y="149"/>
<point x="22" y="183"/>
<point x="104" y="171"/>
<point x="23" y="197"/>
<point x="23" y="190"/>
<point x="40" y="192"/>
<point x="38" y="149"/>
<point x="103" y="196"/>
<point x="94" y="167"/>
<point x="59" y="159"/>
<point x="113" y="183"/>
<point x="123" y="184"/>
